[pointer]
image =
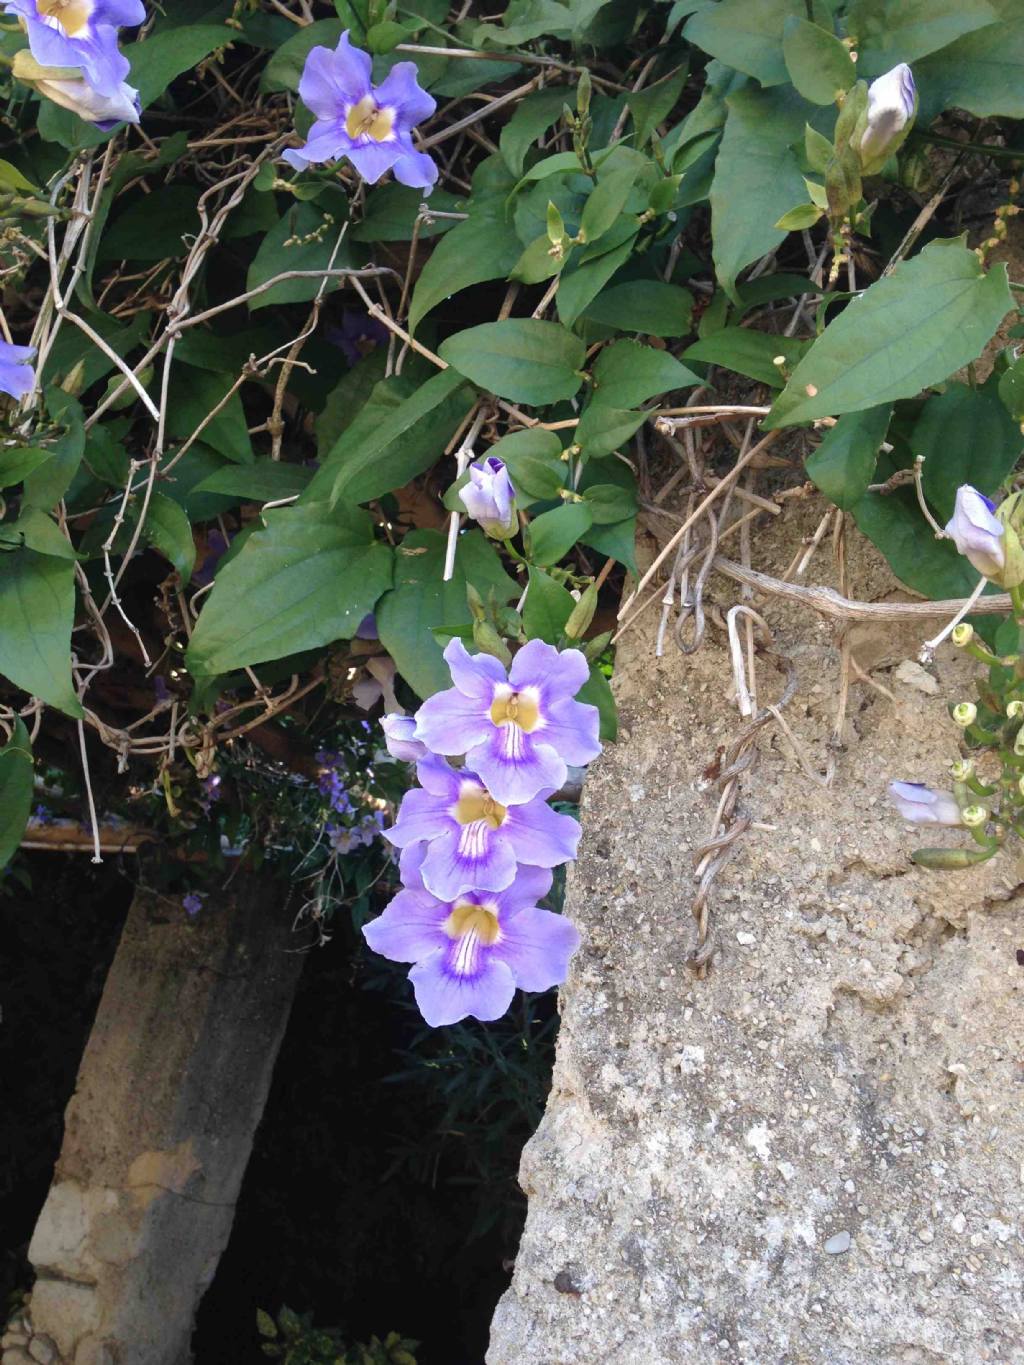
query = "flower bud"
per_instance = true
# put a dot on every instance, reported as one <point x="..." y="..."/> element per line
<point x="892" y="104"/>
<point x="962" y="634"/>
<point x="964" y="713"/>
<point x="923" y="805"/>
<point x="977" y="532"/>
<point x="67" y="87"/>
<point x="1010" y="515"/>
<point x="1014" y="709"/>
<point x="961" y="769"/>
<point x="582" y="614"/>
<point x="974" y="816"/>
<point x="400" y="737"/>
<point x="490" y="499"/>
<point x="488" y="641"/>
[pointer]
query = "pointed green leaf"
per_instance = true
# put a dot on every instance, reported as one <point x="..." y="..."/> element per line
<point x="484" y="247"/>
<point x="844" y="463"/>
<point x="522" y="359"/>
<point x="818" y="64"/>
<point x="16" y="785"/>
<point x="650" y="306"/>
<point x="37" y="609"/>
<point x="626" y="374"/>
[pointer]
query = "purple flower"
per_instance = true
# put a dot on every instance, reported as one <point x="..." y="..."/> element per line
<point x="518" y="730"/>
<point x="490" y="499"/>
<point x="369" y="124"/>
<point x="367" y="628"/>
<point x="17" y="376"/>
<point x="345" y="840"/>
<point x="923" y="805"/>
<point x="399" y="736"/>
<point x="80" y="33"/>
<point x="105" y="111"/>
<point x="977" y="532"/>
<point x="475" y="842"/>
<point x="333" y="788"/>
<point x="192" y="903"/>
<point x="472" y="951"/>
<point x="892" y="101"/>
<point x="357" y="336"/>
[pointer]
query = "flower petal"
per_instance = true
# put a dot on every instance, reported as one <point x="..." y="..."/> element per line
<point x="572" y="728"/>
<point x="420" y="816"/>
<point x="400" y="90"/>
<point x="443" y="997"/>
<point x="468" y="859"/>
<point x="440" y="778"/>
<point x="450" y="722"/>
<point x="327" y="141"/>
<point x="416" y="169"/>
<point x="537" y="946"/>
<point x="514" y="767"/>
<point x="540" y="836"/>
<point x="411" y="927"/>
<point x="475" y="675"/>
<point x="372" y="159"/>
<point x="558" y="673"/>
<point x="531" y="885"/>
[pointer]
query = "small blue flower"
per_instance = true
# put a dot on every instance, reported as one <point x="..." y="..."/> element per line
<point x="192" y="903"/>
<point x="17" y="376"/>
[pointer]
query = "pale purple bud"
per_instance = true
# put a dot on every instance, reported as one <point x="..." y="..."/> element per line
<point x="399" y="736"/>
<point x="922" y="805"/>
<point x="490" y="499"/>
<point x="891" y="104"/>
<point x="977" y="532"/>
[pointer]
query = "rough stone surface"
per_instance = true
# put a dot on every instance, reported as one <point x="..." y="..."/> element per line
<point x="850" y="1073"/>
<point x="159" y="1130"/>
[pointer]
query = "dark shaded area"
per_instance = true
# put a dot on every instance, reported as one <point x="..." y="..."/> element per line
<point x="60" y="920"/>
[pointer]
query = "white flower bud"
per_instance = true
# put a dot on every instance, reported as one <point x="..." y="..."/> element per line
<point x="964" y="713"/>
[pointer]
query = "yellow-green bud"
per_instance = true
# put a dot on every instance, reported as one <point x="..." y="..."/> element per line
<point x="963" y="634"/>
<point x="961" y="769"/>
<point x="1014" y="709"/>
<point x="974" y="816"/>
<point x="964" y="713"/>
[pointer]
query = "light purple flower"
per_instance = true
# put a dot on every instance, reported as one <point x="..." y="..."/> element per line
<point x="192" y="903"/>
<point x="369" y="124"/>
<point x="977" y="532"/>
<point x="922" y="805"/>
<point x="399" y="736"/>
<point x="518" y="729"/>
<point x="490" y="499"/>
<point x="472" y="951"/>
<point x="105" y="111"/>
<point x="80" y="33"/>
<point x="345" y="840"/>
<point x="17" y="376"/>
<point x="475" y="843"/>
<point x="892" y="101"/>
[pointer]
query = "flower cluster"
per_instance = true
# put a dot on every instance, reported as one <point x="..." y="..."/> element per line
<point x="73" y="57"/>
<point x="479" y="842"/>
<point x="369" y="124"/>
<point x="347" y="827"/>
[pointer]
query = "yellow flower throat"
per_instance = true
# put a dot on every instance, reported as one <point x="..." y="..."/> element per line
<point x="516" y="709"/>
<point x="72" y="15"/>
<point x="367" y="119"/>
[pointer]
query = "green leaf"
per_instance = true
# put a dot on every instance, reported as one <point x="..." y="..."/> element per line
<point x="912" y="329"/>
<point x="844" y="463"/>
<point x="153" y="227"/>
<point x="747" y="352"/>
<point x="16" y="464"/>
<point x="554" y="533"/>
<point x="627" y="373"/>
<point x="392" y="210"/>
<point x="980" y="72"/>
<point x="305" y="579"/>
<point x="652" y="106"/>
<point x="162" y="57"/>
<point x="37" y="609"/>
<point x="194" y="394"/>
<point x="650" y="306"/>
<point x="746" y="35"/>
<point x="522" y="359"/>
<point x="284" y="70"/>
<point x="1011" y="391"/>
<point x="609" y="503"/>
<point x="887" y="32"/>
<point x="534" y="461"/>
<point x="581" y="284"/>
<point x="16" y="788"/>
<point x="818" y="64"/>
<point x="756" y="168"/>
<point x="617" y="541"/>
<point x="605" y="202"/>
<point x="264" y="481"/>
<point x="603" y="429"/>
<point x="893" y="523"/>
<point x="38" y="530"/>
<point x="966" y="436"/>
<point x="387" y="445"/>
<point x="421" y="602"/>
<point x="484" y="247"/>
<point x="533" y="117"/>
<point x="597" y="692"/>
<point x="265" y="1324"/>
<point x="302" y="240"/>
<point x="803" y="216"/>
<point x="167" y="529"/>
<point x="47" y="484"/>
<point x="547" y="607"/>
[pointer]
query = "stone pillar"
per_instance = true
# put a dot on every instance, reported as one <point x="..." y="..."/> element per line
<point x="813" y="1157"/>
<point x="158" y="1133"/>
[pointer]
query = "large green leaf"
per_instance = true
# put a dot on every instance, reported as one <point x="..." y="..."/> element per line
<point x="49" y="481"/>
<point x="484" y="247"/>
<point x="650" y="306"/>
<point x="37" y="609"/>
<point x="844" y="463"/>
<point x="398" y="434"/>
<point x="747" y="35"/>
<point x="167" y="529"/>
<point x="264" y="481"/>
<point x="981" y="72"/>
<point x="747" y="352"/>
<point x="581" y="284"/>
<point x="893" y="522"/>
<point x="194" y="394"/>
<point x="554" y="533"/>
<point x="603" y="429"/>
<point x="523" y="359"/>
<point x="627" y="374"/>
<point x="933" y="315"/>
<point x="966" y="436"/>
<point x="422" y="602"/>
<point x="20" y="461"/>
<point x="16" y="785"/>
<point x="302" y="240"/>
<point x="305" y="579"/>
<point x="818" y="64"/>
<point x="890" y="31"/>
<point x="757" y="177"/>
<point x="547" y="607"/>
<point x="533" y="117"/>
